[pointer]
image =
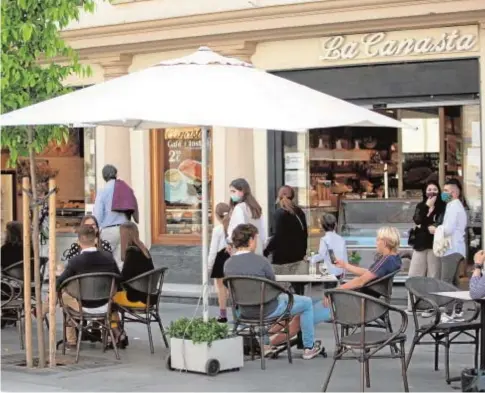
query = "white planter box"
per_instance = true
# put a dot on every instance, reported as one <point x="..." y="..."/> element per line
<point x="222" y="355"/>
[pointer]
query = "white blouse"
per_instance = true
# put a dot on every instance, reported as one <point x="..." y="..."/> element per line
<point x="242" y="215"/>
<point x="218" y="242"/>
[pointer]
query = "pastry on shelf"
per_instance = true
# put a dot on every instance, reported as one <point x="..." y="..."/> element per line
<point x="340" y="188"/>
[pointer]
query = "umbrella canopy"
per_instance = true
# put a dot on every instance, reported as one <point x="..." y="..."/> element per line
<point x="202" y="89"/>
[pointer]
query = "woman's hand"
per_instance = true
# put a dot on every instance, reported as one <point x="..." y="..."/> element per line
<point x="341" y="264"/>
<point x="432" y="229"/>
<point x="431" y="201"/>
<point x="479" y="257"/>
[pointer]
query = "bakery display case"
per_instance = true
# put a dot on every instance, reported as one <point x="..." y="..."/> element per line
<point x="359" y="221"/>
<point x="69" y="214"/>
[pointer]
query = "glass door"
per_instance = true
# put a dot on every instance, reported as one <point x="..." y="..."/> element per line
<point x="419" y="150"/>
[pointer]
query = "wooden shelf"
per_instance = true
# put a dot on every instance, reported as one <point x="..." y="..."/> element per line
<point x="340" y="155"/>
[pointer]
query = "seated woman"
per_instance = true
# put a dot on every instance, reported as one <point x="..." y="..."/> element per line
<point x="12" y="251"/>
<point x="137" y="260"/>
<point x="389" y="261"/>
<point x="75" y="248"/>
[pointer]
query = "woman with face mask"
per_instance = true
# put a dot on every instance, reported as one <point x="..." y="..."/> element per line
<point x="245" y="209"/>
<point x="429" y="211"/>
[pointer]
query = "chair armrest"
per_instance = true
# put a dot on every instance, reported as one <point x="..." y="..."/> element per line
<point x="432" y="303"/>
<point x="475" y="314"/>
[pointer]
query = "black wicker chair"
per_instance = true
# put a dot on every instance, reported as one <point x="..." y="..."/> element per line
<point x="89" y="287"/>
<point x="13" y="305"/>
<point x="421" y="291"/>
<point x="258" y="292"/>
<point x="380" y="288"/>
<point x="14" y="274"/>
<point x="149" y="283"/>
<point x="358" y="310"/>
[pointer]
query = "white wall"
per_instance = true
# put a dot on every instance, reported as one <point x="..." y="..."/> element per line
<point x="126" y="11"/>
<point x="140" y="180"/>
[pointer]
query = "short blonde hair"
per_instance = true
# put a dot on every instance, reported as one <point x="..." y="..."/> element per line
<point x="390" y="236"/>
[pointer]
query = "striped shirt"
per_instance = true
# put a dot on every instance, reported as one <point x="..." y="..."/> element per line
<point x="477" y="287"/>
<point x="386" y="265"/>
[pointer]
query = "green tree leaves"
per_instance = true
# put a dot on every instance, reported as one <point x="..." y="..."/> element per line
<point x="30" y="38"/>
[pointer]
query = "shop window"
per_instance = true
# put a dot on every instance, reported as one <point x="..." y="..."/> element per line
<point x="472" y="176"/>
<point x="420" y="149"/>
<point x="177" y="185"/>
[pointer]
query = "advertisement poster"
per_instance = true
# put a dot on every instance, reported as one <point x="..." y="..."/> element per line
<point x="294" y="160"/>
<point x="295" y="178"/>
<point x="182" y="179"/>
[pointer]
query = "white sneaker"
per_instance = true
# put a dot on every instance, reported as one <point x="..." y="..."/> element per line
<point x="445" y="318"/>
<point x="313" y="352"/>
<point x="458" y="316"/>
<point x="427" y="313"/>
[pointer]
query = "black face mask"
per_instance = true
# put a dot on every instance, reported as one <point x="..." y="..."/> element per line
<point x="431" y="194"/>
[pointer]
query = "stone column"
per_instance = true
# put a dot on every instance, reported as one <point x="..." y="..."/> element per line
<point x="234" y="154"/>
<point x="481" y="40"/>
<point x="113" y="143"/>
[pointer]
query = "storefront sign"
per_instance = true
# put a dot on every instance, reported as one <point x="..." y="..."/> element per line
<point x="398" y="44"/>
<point x="178" y="139"/>
<point x="183" y="133"/>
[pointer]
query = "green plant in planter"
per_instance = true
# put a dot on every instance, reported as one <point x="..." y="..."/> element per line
<point x="354" y="258"/>
<point x="198" y="331"/>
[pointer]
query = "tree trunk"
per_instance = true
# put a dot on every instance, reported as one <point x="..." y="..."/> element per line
<point x="27" y="272"/>
<point x="35" y="241"/>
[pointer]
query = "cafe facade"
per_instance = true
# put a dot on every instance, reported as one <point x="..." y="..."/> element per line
<point x="419" y="62"/>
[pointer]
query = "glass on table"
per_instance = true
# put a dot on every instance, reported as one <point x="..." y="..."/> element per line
<point x="322" y="267"/>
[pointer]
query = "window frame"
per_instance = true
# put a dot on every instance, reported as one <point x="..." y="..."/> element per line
<point x="157" y="190"/>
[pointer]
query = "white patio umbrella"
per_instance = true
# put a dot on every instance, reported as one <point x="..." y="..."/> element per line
<point x="203" y="89"/>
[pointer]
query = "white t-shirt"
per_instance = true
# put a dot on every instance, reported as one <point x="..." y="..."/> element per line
<point x="242" y="215"/>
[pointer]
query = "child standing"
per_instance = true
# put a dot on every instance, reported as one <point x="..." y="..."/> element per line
<point x="218" y="255"/>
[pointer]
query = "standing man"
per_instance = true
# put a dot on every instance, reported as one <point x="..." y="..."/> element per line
<point x="454" y="227"/>
<point x="109" y="220"/>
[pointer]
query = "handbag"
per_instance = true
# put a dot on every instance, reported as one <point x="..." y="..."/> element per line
<point x="412" y="237"/>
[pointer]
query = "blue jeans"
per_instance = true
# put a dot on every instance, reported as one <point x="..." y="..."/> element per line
<point x="320" y="312"/>
<point x="303" y="306"/>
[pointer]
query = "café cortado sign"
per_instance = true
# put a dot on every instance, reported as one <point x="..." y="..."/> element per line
<point x="398" y="44"/>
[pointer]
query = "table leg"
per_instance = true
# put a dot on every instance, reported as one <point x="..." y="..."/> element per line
<point x="299" y="290"/>
<point x="482" y="335"/>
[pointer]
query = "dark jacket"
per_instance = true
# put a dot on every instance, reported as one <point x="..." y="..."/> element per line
<point x="424" y="239"/>
<point x="89" y="262"/>
<point x="289" y="241"/>
<point x="12" y="253"/>
<point x="136" y="263"/>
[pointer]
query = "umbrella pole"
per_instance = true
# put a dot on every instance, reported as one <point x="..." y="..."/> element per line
<point x="205" y="227"/>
